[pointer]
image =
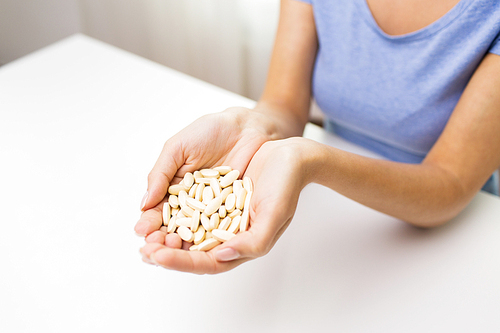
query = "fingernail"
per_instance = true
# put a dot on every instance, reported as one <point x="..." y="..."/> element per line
<point x="144" y="199"/>
<point x="227" y="254"/>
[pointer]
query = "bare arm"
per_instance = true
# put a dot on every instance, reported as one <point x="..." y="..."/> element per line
<point x="430" y="193"/>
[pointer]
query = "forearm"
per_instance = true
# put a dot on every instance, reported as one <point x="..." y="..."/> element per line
<point x="421" y="194"/>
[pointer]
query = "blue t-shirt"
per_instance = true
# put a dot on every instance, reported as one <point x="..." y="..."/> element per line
<point x="394" y="94"/>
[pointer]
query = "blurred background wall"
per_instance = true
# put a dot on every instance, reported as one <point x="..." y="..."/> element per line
<point x="225" y="42"/>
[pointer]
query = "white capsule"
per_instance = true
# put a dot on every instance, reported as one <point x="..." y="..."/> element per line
<point x="240" y="199"/>
<point x="197" y="175"/>
<point x="244" y="221"/>
<point x="214" y="184"/>
<point x="224" y="224"/>
<point x="214" y="221"/>
<point x="173" y="201"/>
<point x="208" y="234"/>
<point x="247" y="184"/>
<point x="210" y="173"/>
<point x="235" y="213"/>
<point x="193" y="247"/>
<point x="175" y="189"/>
<point x="195" y="204"/>
<point x="223" y="169"/>
<point x="183" y="221"/>
<point x="222" y="235"/>
<point x="180" y="215"/>
<point x="185" y="233"/>
<point x="187" y="211"/>
<point x="195" y="221"/>
<point x="208" y="244"/>
<point x="213" y="206"/>
<point x="182" y="198"/>
<point x="188" y="179"/>
<point x="235" y="225"/>
<point x="229" y="178"/>
<point x="199" y="235"/>
<point x="205" y="181"/>
<point x="225" y="192"/>
<point x="246" y="206"/>
<point x="192" y="191"/>
<point x="166" y="213"/>
<point x="205" y="221"/>
<point x="208" y="195"/>
<point x="199" y="192"/>
<point x="172" y="225"/>
<point x="222" y="212"/>
<point x="237" y="186"/>
<point x="230" y="202"/>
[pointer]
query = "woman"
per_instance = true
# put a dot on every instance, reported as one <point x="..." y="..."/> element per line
<point x="416" y="81"/>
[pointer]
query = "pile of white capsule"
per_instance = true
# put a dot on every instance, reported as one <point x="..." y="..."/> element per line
<point x="208" y="207"/>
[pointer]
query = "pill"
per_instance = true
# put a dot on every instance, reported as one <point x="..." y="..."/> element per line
<point x="195" y="204"/>
<point x="225" y="192"/>
<point x="240" y="199"/>
<point x="172" y="225"/>
<point x="222" y="235"/>
<point x="182" y="198"/>
<point x="166" y="213"/>
<point x="192" y="191"/>
<point x="230" y="202"/>
<point x="214" y="221"/>
<point x="210" y="173"/>
<point x="213" y="206"/>
<point x="214" y="184"/>
<point x="205" y="221"/>
<point x="205" y="181"/>
<point x="244" y="221"/>
<point x="175" y="189"/>
<point x="235" y="213"/>
<point x="173" y="201"/>
<point x="199" y="192"/>
<point x="229" y="178"/>
<point x="208" y="244"/>
<point x="246" y="206"/>
<point x="224" y="224"/>
<point x="195" y="221"/>
<point x="235" y="224"/>
<point x="197" y="175"/>
<point x="247" y="184"/>
<point x="193" y="247"/>
<point x="183" y="221"/>
<point x="185" y="233"/>
<point x="223" y="169"/>
<point x="180" y="214"/>
<point x="187" y="211"/>
<point x="188" y="179"/>
<point x="199" y="235"/>
<point x="208" y="234"/>
<point x="222" y="212"/>
<point x="174" y="211"/>
<point x="237" y="186"/>
<point x="208" y="195"/>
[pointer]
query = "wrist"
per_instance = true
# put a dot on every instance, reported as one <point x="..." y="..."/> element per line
<point x="309" y="155"/>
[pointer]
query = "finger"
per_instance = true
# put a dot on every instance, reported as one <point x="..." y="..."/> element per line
<point x="173" y="241"/>
<point x="197" y="262"/>
<point x="151" y="220"/>
<point x="162" y="174"/>
<point x="157" y="236"/>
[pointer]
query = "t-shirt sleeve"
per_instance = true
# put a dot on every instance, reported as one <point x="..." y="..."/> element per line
<point x="495" y="46"/>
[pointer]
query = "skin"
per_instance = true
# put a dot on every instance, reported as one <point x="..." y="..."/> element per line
<point x="264" y="144"/>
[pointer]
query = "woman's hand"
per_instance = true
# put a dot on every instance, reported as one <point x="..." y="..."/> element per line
<point x="227" y="138"/>
<point x="279" y="170"/>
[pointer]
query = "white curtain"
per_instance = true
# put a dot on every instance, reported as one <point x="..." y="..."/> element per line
<point x="225" y="42"/>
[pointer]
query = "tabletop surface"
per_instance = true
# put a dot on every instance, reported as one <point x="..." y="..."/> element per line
<point x="81" y="125"/>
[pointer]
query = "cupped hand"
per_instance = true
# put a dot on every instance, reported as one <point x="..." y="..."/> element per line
<point x="227" y="138"/>
<point x="279" y="170"/>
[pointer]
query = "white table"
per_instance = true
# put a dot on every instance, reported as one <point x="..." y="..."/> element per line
<point x="82" y="123"/>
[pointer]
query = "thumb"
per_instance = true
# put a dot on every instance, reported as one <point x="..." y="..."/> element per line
<point x="160" y="177"/>
<point x="250" y="244"/>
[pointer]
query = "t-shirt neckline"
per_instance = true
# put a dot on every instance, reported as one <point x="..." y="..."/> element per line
<point x="426" y="31"/>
